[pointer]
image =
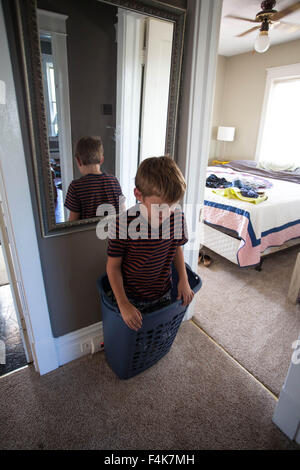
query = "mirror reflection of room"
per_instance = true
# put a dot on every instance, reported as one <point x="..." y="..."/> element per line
<point x="106" y="74"/>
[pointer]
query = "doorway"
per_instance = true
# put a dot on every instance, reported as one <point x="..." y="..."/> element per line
<point x="14" y="344"/>
<point x="250" y="314"/>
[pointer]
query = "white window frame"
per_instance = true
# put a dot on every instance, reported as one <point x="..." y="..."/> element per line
<point x="52" y="133"/>
<point x="46" y="60"/>
<point x="273" y="73"/>
<point x="54" y="24"/>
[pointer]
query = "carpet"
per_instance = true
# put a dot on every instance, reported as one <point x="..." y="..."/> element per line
<point x="247" y="313"/>
<point x="195" y="397"/>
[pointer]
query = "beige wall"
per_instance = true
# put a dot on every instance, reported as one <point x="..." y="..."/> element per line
<point x="218" y="105"/>
<point x="240" y="106"/>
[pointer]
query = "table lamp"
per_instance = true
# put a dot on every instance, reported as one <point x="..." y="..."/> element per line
<point x="225" y="134"/>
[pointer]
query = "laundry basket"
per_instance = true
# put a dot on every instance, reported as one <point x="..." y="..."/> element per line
<point x="129" y="352"/>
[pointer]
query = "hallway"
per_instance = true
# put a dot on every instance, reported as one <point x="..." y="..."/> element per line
<point x="196" y="397"/>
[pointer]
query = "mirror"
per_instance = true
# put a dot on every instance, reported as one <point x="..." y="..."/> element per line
<point x="95" y="68"/>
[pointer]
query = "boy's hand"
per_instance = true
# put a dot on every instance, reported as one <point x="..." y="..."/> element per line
<point x="185" y="292"/>
<point x="131" y="316"/>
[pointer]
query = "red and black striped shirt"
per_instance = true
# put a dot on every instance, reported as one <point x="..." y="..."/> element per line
<point x="88" y="192"/>
<point x="146" y="261"/>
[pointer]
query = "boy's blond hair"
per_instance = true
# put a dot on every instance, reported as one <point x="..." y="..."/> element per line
<point x="89" y="150"/>
<point x="160" y="176"/>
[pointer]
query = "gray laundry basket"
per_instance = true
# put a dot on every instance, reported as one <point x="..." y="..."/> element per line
<point x="130" y="352"/>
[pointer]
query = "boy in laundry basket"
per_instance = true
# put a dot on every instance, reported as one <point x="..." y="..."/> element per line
<point x="144" y="242"/>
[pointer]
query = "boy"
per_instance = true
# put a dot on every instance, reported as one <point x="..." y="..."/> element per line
<point x="139" y="268"/>
<point x="94" y="187"/>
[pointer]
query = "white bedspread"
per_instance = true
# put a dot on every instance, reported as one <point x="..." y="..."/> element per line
<point x="269" y="223"/>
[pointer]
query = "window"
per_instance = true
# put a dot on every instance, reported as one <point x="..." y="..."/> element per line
<point x="279" y="140"/>
<point x="53" y="127"/>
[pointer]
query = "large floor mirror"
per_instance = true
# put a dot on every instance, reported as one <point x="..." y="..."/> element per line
<point x="97" y="68"/>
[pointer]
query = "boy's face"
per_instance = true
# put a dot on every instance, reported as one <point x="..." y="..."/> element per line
<point x="155" y="208"/>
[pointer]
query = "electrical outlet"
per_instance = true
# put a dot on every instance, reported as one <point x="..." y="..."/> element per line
<point x="86" y="348"/>
<point x="97" y="344"/>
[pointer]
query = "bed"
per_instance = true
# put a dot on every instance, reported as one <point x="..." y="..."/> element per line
<point x="244" y="232"/>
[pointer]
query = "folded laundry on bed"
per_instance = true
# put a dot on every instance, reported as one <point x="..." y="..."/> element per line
<point x="249" y="193"/>
<point x="214" y="182"/>
<point x="245" y="184"/>
<point x="235" y="193"/>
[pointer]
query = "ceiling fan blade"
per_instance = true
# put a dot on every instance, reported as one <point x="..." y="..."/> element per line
<point x="286" y="11"/>
<point x="240" y="18"/>
<point x="247" y="32"/>
<point x="288" y="27"/>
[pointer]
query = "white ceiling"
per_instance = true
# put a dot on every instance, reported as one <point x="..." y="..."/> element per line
<point x="231" y="45"/>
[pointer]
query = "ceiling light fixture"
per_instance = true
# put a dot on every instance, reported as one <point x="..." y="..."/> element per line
<point x="262" y="42"/>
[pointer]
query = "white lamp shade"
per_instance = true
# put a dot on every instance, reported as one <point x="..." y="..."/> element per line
<point x="226" y="134"/>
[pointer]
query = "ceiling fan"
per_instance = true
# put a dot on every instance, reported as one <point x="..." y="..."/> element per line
<point x="269" y="18"/>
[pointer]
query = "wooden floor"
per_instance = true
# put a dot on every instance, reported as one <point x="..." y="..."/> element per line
<point x="10" y="334"/>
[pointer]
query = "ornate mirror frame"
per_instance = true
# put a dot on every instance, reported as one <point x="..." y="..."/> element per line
<point x="27" y="36"/>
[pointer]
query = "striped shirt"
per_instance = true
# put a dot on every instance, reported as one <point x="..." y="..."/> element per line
<point x="88" y="192"/>
<point x="146" y="261"/>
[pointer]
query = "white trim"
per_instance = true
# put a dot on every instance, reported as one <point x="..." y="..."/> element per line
<point x="294" y="288"/>
<point x="46" y="58"/>
<point x="284" y="71"/>
<point x="287" y="415"/>
<point x="273" y="73"/>
<point x="56" y="25"/>
<point x="287" y="411"/>
<point x="52" y="22"/>
<point x="20" y="215"/>
<point x="129" y="38"/>
<point x="69" y="348"/>
<point x="203" y="76"/>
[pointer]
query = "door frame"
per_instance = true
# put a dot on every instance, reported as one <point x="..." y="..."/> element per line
<point x="20" y="220"/>
<point x="196" y="115"/>
<point x="129" y="83"/>
<point x="197" y="108"/>
<point x="15" y="282"/>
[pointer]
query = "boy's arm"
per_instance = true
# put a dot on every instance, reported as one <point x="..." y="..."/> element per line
<point x="184" y="290"/>
<point x="74" y="216"/>
<point x="131" y="316"/>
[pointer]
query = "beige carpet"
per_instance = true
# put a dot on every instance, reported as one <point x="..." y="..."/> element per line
<point x="247" y="312"/>
<point x="196" y="397"/>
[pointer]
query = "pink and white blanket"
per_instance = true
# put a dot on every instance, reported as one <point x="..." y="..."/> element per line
<point x="260" y="226"/>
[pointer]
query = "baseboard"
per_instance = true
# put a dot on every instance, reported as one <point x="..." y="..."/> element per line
<point x="79" y="343"/>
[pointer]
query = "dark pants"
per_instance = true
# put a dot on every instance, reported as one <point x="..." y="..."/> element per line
<point x="145" y="306"/>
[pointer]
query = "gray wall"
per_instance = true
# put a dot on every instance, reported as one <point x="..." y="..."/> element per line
<point x="71" y="263"/>
<point x="92" y="63"/>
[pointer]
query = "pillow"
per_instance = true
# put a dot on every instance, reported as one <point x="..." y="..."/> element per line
<point x="269" y="165"/>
